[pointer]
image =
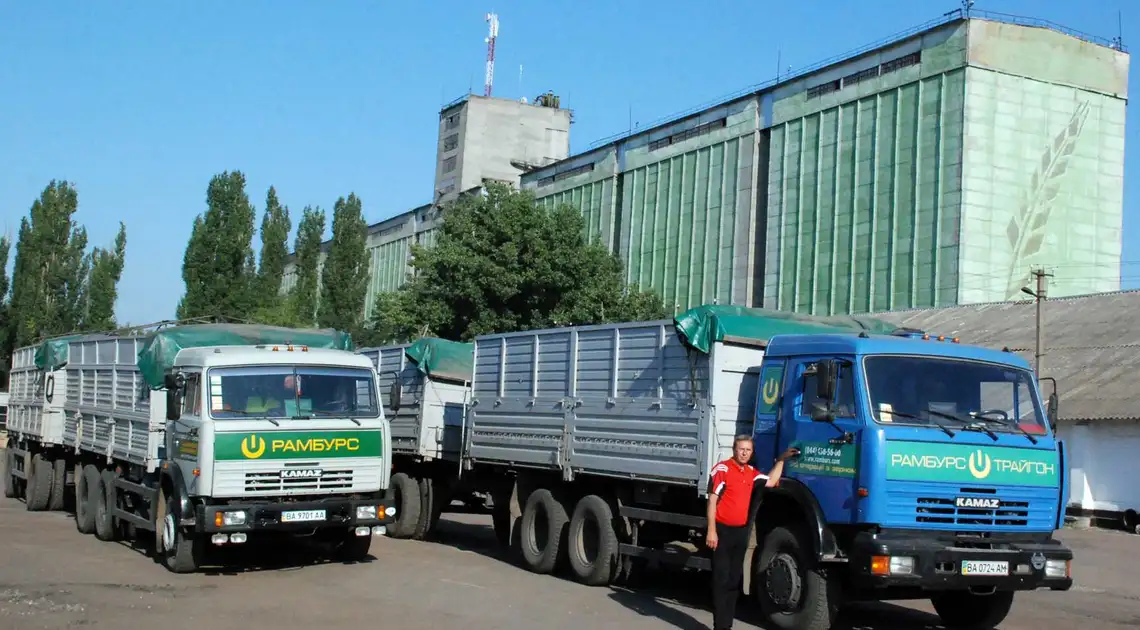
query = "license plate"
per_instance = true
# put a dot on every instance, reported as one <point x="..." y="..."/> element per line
<point x="301" y="516"/>
<point x="977" y="567"/>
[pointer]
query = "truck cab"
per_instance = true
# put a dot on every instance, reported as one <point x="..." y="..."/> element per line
<point x="927" y="469"/>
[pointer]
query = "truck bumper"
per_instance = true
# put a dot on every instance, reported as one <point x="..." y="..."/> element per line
<point x="328" y="513"/>
<point x="910" y="559"/>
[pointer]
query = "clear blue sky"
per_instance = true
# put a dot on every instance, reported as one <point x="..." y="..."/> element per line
<point x="140" y="103"/>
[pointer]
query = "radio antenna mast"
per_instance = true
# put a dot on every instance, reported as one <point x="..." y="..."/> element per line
<point x="493" y="32"/>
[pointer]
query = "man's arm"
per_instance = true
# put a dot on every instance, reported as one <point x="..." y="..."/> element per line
<point x="778" y="468"/>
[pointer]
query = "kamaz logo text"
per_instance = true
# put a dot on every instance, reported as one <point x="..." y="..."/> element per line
<point x="977" y="502"/>
<point x="302" y="473"/>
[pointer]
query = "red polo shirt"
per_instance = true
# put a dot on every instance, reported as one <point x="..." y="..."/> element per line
<point x="733" y="483"/>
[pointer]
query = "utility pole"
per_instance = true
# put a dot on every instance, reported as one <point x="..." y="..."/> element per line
<point x="1040" y="296"/>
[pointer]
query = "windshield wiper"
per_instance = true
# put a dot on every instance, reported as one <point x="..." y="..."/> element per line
<point x="251" y="414"/>
<point x="946" y="429"/>
<point x="321" y="412"/>
<point x="1004" y="423"/>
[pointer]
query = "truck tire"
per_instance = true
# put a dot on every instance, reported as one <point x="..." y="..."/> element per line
<point x="962" y="610"/>
<point x="11" y="490"/>
<point x="793" y="594"/>
<point x="354" y="548"/>
<point x="427" y="508"/>
<point x="39" y="482"/>
<point x="103" y="497"/>
<point x="84" y="514"/>
<point x="593" y="544"/>
<point x="180" y="553"/>
<point x="407" y="506"/>
<point x="58" y="497"/>
<point x="543" y="531"/>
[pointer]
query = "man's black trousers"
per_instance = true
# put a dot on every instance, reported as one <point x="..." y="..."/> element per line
<point x="728" y="567"/>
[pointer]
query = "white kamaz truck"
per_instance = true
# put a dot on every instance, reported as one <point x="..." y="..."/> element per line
<point x="205" y="434"/>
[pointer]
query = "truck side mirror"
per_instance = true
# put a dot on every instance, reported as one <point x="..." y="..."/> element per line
<point x="174" y="385"/>
<point x="1051" y="411"/>
<point x="826" y="373"/>
<point x="394" y="394"/>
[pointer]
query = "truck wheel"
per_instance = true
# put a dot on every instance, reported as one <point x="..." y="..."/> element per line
<point x="793" y="594"/>
<point x="103" y="497"/>
<point x="543" y="531"/>
<point x="11" y="491"/>
<point x="180" y="552"/>
<point x="593" y="548"/>
<point x="354" y="548"/>
<point x="407" y="506"/>
<point x="39" y="482"/>
<point x="962" y="610"/>
<point x="58" y="483"/>
<point x="427" y="508"/>
<point x="84" y="510"/>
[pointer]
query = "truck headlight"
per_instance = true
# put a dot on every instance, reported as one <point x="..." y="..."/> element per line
<point x="230" y="519"/>
<point x="365" y="512"/>
<point x="1056" y="568"/>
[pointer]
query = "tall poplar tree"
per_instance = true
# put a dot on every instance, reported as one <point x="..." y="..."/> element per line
<point x="307" y="260"/>
<point x="345" y="272"/>
<point x="102" y="283"/>
<point x="275" y="227"/>
<point x="218" y="267"/>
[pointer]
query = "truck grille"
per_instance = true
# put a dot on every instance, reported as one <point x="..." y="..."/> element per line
<point x="938" y="510"/>
<point x="272" y="481"/>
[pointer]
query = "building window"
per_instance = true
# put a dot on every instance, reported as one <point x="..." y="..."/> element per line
<point x="862" y="75"/>
<point x="449" y="164"/>
<point x="450" y="142"/>
<point x="557" y="177"/>
<point x="896" y="64"/>
<point x="451" y="122"/>
<point x="681" y="136"/>
<point x="823" y="88"/>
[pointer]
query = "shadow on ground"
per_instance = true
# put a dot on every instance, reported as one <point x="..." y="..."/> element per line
<point x="679" y="599"/>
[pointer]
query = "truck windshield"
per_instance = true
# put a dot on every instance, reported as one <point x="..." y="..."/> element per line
<point x="933" y="391"/>
<point x="292" y="392"/>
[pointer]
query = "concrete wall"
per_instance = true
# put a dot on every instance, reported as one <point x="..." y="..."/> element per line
<point x="1044" y="163"/>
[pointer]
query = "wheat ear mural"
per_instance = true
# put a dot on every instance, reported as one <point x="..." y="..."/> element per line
<point x="1028" y="225"/>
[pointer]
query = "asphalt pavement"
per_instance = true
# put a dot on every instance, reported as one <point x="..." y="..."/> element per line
<point x="52" y="577"/>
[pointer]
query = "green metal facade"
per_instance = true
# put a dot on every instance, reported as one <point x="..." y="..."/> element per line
<point x="938" y="170"/>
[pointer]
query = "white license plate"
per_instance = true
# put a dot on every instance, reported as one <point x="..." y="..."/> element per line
<point x="978" y="567"/>
<point x="301" y="516"/>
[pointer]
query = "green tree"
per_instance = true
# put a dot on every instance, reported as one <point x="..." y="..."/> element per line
<point x="345" y="272"/>
<point x="307" y="260"/>
<point x="218" y="267"/>
<point x="5" y="338"/>
<point x="275" y="228"/>
<point x="502" y="263"/>
<point x="103" y="282"/>
<point x="50" y="275"/>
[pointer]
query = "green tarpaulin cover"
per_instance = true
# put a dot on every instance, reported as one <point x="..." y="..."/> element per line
<point x="442" y="358"/>
<point x="702" y="326"/>
<point x="51" y="354"/>
<point x="161" y="347"/>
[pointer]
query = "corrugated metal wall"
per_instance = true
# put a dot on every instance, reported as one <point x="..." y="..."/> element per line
<point x="388" y="268"/>
<point x="863" y="203"/>
<point x="680" y="216"/>
<point x="595" y="201"/>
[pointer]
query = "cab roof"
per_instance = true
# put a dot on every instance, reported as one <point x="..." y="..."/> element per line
<point x="222" y="356"/>
<point x="862" y="344"/>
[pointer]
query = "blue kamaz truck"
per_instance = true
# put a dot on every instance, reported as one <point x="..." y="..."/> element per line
<point x="927" y="468"/>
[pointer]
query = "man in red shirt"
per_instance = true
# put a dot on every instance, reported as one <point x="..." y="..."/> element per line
<point x="730" y="502"/>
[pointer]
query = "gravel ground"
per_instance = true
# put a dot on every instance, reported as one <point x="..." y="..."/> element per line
<point x="52" y="577"/>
